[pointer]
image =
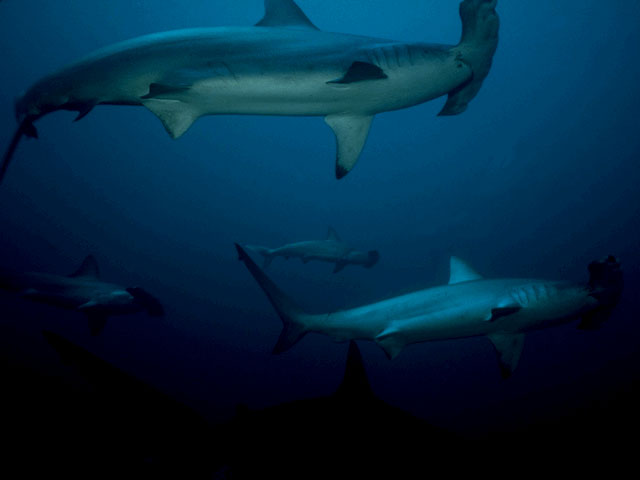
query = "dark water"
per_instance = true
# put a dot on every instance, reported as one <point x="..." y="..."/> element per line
<point x="536" y="179"/>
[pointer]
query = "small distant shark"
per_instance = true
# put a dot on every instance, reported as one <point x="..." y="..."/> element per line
<point x="332" y="250"/>
<point x="284" y="65"/>
<point x="501" y="309"/>
<point x="82" y="291"/>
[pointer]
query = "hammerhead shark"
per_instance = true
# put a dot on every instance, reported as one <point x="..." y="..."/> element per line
<point x="82" y="291"/>
<point x="283" y="65"/>
<point x="501" y="309"/>
<point x="332" y="250"/>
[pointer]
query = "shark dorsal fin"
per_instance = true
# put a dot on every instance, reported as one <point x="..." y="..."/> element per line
<point x="461" y="272"/>
<point x="284" y="13"/>
<point x="88" y="269"/>
<point x="332" y="235"/>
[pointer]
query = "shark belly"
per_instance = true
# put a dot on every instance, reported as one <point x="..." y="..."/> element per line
<point x="254" y="71"/>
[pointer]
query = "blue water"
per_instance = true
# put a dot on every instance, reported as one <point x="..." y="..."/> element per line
<point x="536" y="179"/>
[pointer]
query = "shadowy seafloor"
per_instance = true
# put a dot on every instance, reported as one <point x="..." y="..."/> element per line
<point x="96" y="421"/>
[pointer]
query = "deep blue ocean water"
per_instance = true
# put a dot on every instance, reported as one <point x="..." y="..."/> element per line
<point x="536" y="179"/>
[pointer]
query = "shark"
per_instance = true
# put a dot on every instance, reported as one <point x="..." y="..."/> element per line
<point x="332" y="250"/>
<point x="82" y="291"/>
<point x="503" y="310"/>
<point x="283" y="65"/>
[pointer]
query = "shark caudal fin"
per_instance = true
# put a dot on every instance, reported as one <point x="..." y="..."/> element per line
<point x="480" y="25"/>
<point x="294" y="319"/>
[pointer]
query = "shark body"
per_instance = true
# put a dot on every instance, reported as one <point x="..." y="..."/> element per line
<point x="284" y="65"/>
<point x="82" y="291"/>
<point x="332" y="250"/>
<point x="501" y="309"/>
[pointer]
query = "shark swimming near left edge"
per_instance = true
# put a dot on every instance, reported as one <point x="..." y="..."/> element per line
<point x="284" y="65"/>
<point x="82" y="291"/>
<point x="501" y="309"/>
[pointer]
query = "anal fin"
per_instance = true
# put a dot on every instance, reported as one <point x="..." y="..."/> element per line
<point x="176" y="116"/>
<point x="351" y="134"/>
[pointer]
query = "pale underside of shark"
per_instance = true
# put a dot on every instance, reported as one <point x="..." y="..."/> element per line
<point x="332" y="250"/>
<point x="82" y="291"/>
<point x="284" y="65"/>
<point x="501" y="309"/>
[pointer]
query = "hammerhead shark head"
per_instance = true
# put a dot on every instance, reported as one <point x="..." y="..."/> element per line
<point x="82" y="291"/>
<point x="502" y="309"/>
<point x="332" y="250"/>
<point x="284" y="65"/>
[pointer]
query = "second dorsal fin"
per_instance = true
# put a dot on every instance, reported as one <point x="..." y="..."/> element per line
<point x="284" y="13"/>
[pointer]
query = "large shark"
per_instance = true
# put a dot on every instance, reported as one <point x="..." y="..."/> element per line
<point x="332" y="250"/>
<point x="82" y="291"/>
<point x="501" y="309"/>
<point x="284" y="65"/>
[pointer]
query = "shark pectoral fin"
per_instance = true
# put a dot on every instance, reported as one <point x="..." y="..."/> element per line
<point x="351" y="134"/>
<point x="390" y="342"/>
<point x="508" y="347"/>
<point x="503" y="311"/>
<point x="339" y="266"/>
<point x="360" y="72"/>
<point x="284" y="13"/>
<point x="86" y="307"/>
<point x="97" y="322"/>
<point x="305" y="259"/>
<point x="176" y="116"/>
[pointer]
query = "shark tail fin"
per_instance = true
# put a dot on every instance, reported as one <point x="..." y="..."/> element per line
<point x="294" y="319"/>
<point x="480" y="25"/>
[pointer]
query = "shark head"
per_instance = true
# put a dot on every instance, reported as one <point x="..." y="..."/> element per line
<point x="605" y="285"/>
